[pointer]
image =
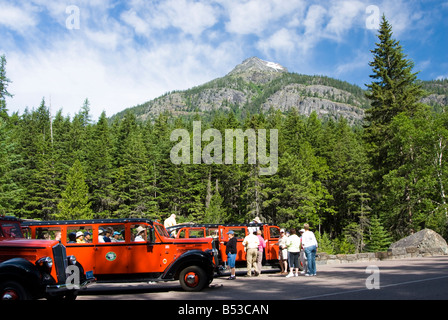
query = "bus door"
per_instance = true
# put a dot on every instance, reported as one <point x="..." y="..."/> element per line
<point x="240" y="233"/>
<point x="272" y="234"/>
<point x="111" y="252"/>
<point x="147" y="253"/>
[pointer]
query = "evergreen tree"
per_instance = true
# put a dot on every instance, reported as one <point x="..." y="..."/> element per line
<point x="378" y="239"/>
<point x="394" y="92"/>
<point x="10" y="192"/>
<point x="99" y="167"/>
<point x="394" y="89"/>
<point x="39" y="173"/>
<point x="4" y="82"/>
<point x="215" y="212"/>
<point x="349" y="175"/>
<point x="75" y="198"/>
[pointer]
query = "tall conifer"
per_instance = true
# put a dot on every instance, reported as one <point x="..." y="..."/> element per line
<point x="75" y="198"/>
<point x="394" y="90"/>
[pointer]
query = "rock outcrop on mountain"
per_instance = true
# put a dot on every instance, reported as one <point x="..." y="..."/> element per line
<point x="256" y="85"/>
<point x="257" y="71"/>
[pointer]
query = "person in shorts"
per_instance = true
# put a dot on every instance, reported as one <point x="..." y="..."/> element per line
<point x="283" y="252"/>
<point x="231" y="254"/>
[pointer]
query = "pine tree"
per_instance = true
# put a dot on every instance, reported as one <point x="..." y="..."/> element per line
<point x="394" y="89"/>
<point x="38" y="178"/>
<point x="379" y="239"/>
<point x="215" y="212"/>
<point x="4" y="82"/>
<point x="10" y="192"/>
<point x="75" y="198"/>
<point x="99" y="167"/>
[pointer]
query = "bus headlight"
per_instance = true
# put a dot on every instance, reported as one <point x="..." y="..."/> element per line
<point x="71" y="260"/>
<point x="45" y="262"/>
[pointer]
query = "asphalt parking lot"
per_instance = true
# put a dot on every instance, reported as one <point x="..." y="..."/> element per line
<point x="404" y="279"/>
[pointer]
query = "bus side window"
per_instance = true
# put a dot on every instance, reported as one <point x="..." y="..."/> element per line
<point x="274" y="233"/>
<point x="48" y="233"/>
<point x="138" y="233"/>
<point x="79" y="235"/>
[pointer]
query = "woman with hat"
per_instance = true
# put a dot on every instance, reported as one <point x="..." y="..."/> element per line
<point x="283" y="252"/>
<point x="80" y="237"/>
<point x="140" y="234"/>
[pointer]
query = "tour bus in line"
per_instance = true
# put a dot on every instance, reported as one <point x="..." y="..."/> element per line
<point x="126" y="250"/>
<point x="218" y="232"/>
<point x="34" y="269"/>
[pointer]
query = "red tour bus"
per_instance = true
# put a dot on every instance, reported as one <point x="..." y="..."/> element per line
<point x="125" y="250"/>
<point x="218" y="232"/>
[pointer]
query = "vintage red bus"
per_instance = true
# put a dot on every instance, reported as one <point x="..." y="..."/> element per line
<point x="133" y="250"/>
<point x="34" y="269"/>
<point x="218" y="232"/>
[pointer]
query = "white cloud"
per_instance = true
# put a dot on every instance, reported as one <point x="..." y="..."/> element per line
<point x="17" y="18"/>
<point x="357" y="62"/>
<point x="126" y="53"/>
<point x="343" y="16"/>
<point x="258" y="16"/>
<point x="191" y="17"/>
<point x="140" y="26"/>
<point x="283" y="41"/>
<point x="72" y="70"/>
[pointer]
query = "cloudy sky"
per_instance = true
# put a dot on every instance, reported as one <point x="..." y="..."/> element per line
<point x="122" y="53"/>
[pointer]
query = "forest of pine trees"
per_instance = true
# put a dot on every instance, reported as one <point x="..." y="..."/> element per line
<point x="358" y="187"/>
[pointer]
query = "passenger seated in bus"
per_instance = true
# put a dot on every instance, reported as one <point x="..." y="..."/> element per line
<point x="116" y="237"/>
<point x="100" y="235"/>
<point x="80" y="237"/>
<point x="107" y="235"/>
<point x="71" y="237"/>
<point x="140" y="234"/>
<point x="87" y="237"/>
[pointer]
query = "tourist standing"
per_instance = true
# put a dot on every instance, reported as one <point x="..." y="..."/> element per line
<point x="283" y="252"/>
<point x="309" y="243"/>
<point x="302" y="256"/>
<point x="293" y="245"/>
<point x="250" y="244"/>
<point x="261" y="247"/>
<point x="231" y="254"/>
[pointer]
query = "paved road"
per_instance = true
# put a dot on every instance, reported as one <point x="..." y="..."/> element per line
<point x="404" y="279"/>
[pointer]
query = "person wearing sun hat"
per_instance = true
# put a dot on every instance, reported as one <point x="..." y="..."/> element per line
<point x="80" y="237"/>
<point x="251" y="229"/>
<point x="140" y="234"/>
<point x="283" y="252"/>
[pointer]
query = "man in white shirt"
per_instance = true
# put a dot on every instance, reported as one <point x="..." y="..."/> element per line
<point x="251" y="243"/>
<point x="309" y="244"/>
<point x="169" y="222"/>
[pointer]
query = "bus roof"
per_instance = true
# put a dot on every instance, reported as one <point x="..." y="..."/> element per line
<point x="89" y="221"/>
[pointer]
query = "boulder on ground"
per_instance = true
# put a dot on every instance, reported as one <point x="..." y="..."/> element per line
<point x="426" y="241"/>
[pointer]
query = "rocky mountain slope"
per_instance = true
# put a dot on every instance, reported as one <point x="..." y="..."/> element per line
<point x="256" y="85"/>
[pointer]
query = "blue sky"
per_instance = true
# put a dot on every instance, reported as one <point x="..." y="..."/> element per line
<point x="122" y="53"/>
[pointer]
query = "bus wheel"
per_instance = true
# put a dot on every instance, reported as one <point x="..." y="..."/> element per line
<point x="193" y="278"/>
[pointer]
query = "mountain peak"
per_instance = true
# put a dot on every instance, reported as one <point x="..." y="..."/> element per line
<point x="255" y="64"/>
